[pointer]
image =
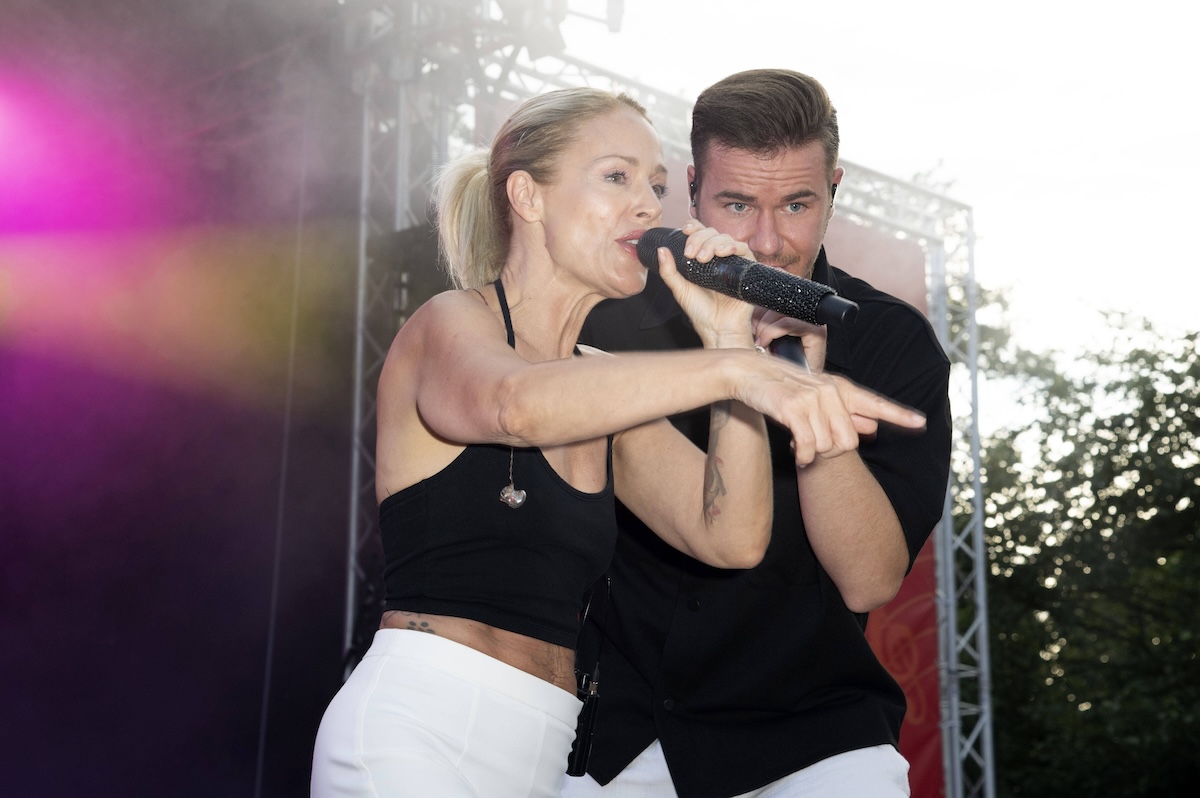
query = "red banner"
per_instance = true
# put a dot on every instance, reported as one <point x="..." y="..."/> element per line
<point x="904" y="635"/>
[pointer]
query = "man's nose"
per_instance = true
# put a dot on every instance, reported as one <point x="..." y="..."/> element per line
<point x="765" y="241"/>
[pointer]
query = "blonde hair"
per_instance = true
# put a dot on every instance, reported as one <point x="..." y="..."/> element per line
<point x="471" y="192"/>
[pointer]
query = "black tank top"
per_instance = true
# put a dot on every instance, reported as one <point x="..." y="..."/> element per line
<point x="452" y="547"/>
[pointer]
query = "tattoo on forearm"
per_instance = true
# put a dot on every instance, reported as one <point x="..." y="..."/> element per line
<point x="714" y="482"/>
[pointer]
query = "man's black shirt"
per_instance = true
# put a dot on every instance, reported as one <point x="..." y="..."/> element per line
<point x="746" y="676"/>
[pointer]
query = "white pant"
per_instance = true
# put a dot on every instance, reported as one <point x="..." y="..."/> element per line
<point x="422" y="716"/>
<point x="879" y="772"/>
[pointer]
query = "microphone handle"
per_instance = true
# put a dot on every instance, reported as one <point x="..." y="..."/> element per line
<point x="777" y="290"/>
<point x="790" y="348"/>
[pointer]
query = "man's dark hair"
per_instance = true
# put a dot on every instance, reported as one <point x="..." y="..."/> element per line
<point x="764" y="111"/>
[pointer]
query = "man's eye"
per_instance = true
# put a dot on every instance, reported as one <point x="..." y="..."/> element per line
<point x="796" y="207"/>
<point x="737" y="207"/>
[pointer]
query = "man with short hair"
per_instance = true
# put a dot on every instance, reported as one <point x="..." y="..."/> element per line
<point x="761" y="682"/>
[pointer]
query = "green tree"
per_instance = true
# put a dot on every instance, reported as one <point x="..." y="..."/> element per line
<point x="1094" y="600"/>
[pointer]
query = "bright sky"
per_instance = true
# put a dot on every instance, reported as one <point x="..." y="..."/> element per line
<point x="1071" y="127"/>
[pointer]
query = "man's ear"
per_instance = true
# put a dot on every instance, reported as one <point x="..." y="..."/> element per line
<point x="837" y="179"/>
<point x="691" y="176"/>
<point x="524" y="196"/>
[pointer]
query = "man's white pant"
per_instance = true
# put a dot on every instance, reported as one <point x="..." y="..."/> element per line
<point x="879" y="772"/>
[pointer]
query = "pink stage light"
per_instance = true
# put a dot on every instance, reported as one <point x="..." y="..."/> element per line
<point x="66" y="165"/>
<point x="23" y="156"/>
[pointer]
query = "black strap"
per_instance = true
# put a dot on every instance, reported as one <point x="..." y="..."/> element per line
<point x="512" y="336"/>
<point x="602" y="625"/>
<point x="588" y="685"/>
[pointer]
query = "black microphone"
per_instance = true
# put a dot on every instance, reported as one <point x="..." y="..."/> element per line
<point x="773" y="289"/>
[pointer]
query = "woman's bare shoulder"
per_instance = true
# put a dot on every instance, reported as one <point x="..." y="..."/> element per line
<point x="449" y="309"/>
<point x="455" y="303"/>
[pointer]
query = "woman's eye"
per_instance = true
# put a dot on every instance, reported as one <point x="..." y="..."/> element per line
<point x="616" y="177"/>
<point x="660" y="191"/>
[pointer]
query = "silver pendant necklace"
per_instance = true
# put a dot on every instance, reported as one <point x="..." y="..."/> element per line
<point x="510" y="494"/>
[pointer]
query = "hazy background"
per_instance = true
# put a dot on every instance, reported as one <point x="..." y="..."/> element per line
<point x="1063" y="123"/>
<point x="176" y="327"/>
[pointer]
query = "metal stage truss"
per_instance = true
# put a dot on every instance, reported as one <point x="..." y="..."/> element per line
<point x="437" y="75"/>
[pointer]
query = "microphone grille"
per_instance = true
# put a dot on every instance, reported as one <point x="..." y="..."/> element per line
<point x="655" y="237"/>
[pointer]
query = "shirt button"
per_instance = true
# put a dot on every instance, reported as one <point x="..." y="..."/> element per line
<point x="694" y="604"/>
<point x="669" y="704"/>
